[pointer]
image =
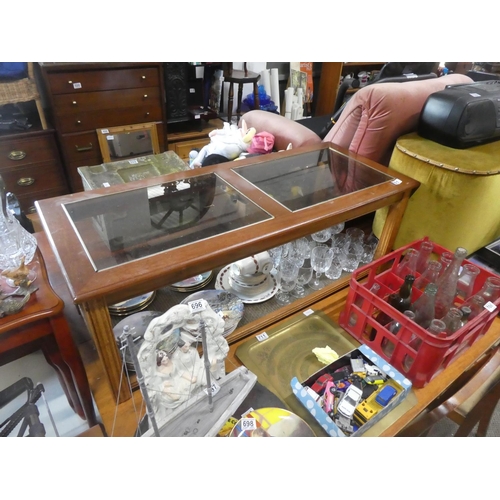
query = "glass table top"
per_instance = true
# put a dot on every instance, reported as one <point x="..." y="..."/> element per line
<point x="131" y="225"/>
<point x="304" y="180"/>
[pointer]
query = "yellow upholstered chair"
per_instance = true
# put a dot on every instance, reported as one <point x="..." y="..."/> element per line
<point x="458" y="201"/>
<point x="23" y="90"/>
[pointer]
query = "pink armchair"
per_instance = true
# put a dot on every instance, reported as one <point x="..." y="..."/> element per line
<point x="371" y="122"/>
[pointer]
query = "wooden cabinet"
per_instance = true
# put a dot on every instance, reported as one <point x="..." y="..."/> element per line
<point x="186" y="138"/>
<point x="31" y="168"/>
<point x="87" y="96"/>
<point x="331" y="72"/>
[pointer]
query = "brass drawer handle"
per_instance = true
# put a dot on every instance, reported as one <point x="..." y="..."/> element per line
<point x="78" y="122"/>
<point x="145" y="96"/>
<point x="25" y="181"/>
<point x="147" y="113"/>
<point x="31" y="210"/>
<point x="17" y="155"/>
<point x="143" y="77"/>
<point x="74" y="103"/>
<point x="83" y="148"/>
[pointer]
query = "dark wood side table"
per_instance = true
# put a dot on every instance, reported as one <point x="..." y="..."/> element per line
<point x="41" y="325"/>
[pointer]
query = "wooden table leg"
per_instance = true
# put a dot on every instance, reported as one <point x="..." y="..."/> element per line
<point x="96" y="315"/>
<point x="54" y="358"/>
<point x="73" y="360"/>
<point x="391" y="227"/>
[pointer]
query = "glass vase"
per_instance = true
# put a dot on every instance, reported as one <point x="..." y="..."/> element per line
<point x="17" y="245"/>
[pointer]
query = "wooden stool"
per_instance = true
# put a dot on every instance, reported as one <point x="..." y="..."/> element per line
<point x="240" y="77"/>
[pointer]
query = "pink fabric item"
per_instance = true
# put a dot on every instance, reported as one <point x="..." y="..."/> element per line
<point x="285" y="131"/>
<point x="378" y="114"/>
<point x="262" y="143"/>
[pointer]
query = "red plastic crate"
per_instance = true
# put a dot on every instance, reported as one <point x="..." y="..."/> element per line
<point x="434" y="353"/>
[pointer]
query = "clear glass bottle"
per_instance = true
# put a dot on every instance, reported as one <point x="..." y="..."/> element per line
<point x="466" y="312"/>
<point x="437" y="328"/>
<point x="424" y="306"/>
<point x="446" y="259"/>
<point x="490" y="290"/>
<point x="476" y="305"/>
<point x="425" y="251"/>
<point x="430" y="275"/>
<point x="394" y="327"/>
<point x="408" y="264"/>
<point x="466" y="279"/>
<point x="353" y="318"/>
<point x="453" y="320"/>
<point x="447" y="283"/>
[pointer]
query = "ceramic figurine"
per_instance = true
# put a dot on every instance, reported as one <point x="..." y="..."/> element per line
<point x="171" y="364"/>
<point x="18" y="276"/>
<point x="11" y="305"/>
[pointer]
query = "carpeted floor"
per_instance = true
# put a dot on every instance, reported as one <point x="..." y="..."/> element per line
<point x="447" y="428"/>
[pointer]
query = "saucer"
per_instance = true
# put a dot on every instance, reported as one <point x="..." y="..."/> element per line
<point x="269" y="288"/>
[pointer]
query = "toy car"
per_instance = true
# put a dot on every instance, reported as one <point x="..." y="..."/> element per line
<point x="319" y="386"/>
<point x="329" y="398"/>
<point x="348" y="403"/>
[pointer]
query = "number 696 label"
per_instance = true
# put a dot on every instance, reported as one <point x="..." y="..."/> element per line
<point x="197" y="305"/>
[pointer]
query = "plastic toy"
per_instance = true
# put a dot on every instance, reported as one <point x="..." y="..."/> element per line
<point x="230" y="142"/>
<point x="321" y="382"/>
<point x="385" y="395"/>
<point x="348" y="403"/>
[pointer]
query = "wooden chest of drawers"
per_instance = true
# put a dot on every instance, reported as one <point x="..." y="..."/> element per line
<point x="87" y="96"/>
<point x="31" y="168"/>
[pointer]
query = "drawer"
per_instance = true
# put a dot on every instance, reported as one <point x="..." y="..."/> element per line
<point x="27" y="150"/>
<point x="81" y="147"/>
<point x="106" y="79"/>
<point x="104" y="119"/>
<point x="183" y="148"/>
<point x="29" y="179"/>
<point x="75" y="104"/>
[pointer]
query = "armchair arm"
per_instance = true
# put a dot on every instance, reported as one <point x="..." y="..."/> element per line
<point x="285" y="131"/>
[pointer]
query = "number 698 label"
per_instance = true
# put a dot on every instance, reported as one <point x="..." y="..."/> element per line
<point x="248" y="424"/>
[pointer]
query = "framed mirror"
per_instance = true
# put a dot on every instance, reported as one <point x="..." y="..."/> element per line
<point x="120" y="143"/>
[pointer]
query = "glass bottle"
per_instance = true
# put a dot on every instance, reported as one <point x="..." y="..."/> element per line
<point x="447" y="283"/>
<point x="466" y="279"/>
<point x="476" y="305"/>
<point x="16" y="244"/>
<point x="394" y="326"/>
<point x="408" y="264"/>
<point x="353" y="318"/>
<point x="437" y="328"/>
<point x="466" y="312"/>
<point x="430" y="275"/>
<point x="491" y="289"/>
<point x="402" y="300"/>
<point x="445" y="259"/>
<point x="424" y="306"/>
<point x="453" y="320"/>
<point x="425" y="251"/>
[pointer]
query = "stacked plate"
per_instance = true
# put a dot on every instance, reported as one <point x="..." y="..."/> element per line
<point x="227" y="305"/>
<point x="250" y="288"/>
<point x="132" y="305"/>
<point x="192" y="284"/>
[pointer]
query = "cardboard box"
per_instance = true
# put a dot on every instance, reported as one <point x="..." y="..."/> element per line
<point x="367" y="407"/>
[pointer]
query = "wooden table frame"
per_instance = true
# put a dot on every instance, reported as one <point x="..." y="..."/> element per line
<point x="42" y="325"/>
<point x="92" y="291"/>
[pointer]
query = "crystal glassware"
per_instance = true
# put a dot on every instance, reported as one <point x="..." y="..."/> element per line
<point x="322" y="236"/>
<point x="288" y="273"/>
<point x="304" y="277"/>
<point x="321" y="259"/>
<point x="334" y="272"/>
